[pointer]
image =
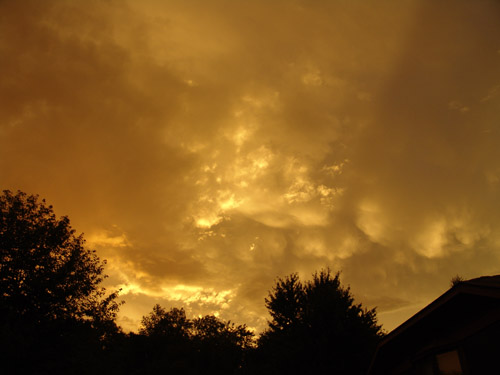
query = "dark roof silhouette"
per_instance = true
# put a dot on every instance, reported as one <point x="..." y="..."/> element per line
<point x="453" y="318"/>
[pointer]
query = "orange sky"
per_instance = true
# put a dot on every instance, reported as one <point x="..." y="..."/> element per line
<point x="206" y="147"/>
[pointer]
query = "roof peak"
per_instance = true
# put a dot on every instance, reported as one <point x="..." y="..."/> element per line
<point x="491" y="281"/>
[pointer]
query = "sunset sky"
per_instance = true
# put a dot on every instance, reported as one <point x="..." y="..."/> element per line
<point x="205" y="148"/>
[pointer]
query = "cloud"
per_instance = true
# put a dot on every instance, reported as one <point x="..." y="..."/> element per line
<point x="207" y="149"/>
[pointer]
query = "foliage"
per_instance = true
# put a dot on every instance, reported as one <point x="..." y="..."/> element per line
<point x="316" y="328"/>
<point x="53" y="313"/>
<point x="286" y="303"/>
<point x="456" y="280"/>
<point x="56" y="318"/>
<point x="46" y="273"/>
<point x="207" y="344"/>
<point x="210" y="329"/>
<point x="160" y="322"/>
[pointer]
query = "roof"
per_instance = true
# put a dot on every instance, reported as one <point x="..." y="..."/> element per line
<point x="448" y="316"/>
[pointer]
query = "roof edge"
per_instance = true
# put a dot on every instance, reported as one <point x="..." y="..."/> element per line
<point x="484" y="286"/>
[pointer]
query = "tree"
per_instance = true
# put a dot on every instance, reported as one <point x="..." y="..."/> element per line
<point x="214" y="330"/>
<point x="173" y="343"/>
<point x="221" y="346"/>
<point x="317" y="328"/>
<point x="161" y="322"/>
<point x="54" y="314"/>
<point x="286" y="303"/>
<point x="46" y="273"/>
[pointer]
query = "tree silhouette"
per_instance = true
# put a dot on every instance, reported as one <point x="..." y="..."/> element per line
<point x="286" y="303"/>
<point x="173" y="343"/>
<point x="316" y="328"/>
<point x="46" y="273"/>
<point x="221" y="346"/>
<point x="51" y="303"/>
<point x="212" y="329"/>
<point x="160" y="322"/>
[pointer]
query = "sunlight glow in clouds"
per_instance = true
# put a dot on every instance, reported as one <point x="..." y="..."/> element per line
<point x="205" y="148"/>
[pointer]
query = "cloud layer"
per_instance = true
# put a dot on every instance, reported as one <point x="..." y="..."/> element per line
<point x="206" y="148"/>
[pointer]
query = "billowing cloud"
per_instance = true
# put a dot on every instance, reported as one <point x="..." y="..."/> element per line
<point x="206" y="148"/>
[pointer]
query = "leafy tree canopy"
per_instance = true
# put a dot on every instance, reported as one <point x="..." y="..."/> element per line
<point x="174" y="324"/>
<point x="211" y="329"/>
<point x="316" y="327"/>
<point x="206" y="344"/>
<point x="46" y="272"/>
<point x="161" y="322"/>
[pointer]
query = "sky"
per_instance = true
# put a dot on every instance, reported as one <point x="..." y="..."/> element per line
<point x="205" y="148"/>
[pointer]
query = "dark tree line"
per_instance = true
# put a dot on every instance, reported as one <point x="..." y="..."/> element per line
<point x="169" y="342"/>
<point x="55" y="318"/>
